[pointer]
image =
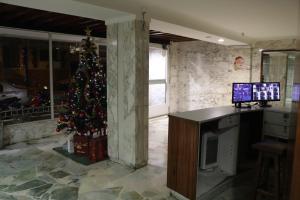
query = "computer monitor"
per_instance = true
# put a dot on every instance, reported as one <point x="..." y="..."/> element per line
<point x="296" y="92"/>
<point x="267" y="91"/>
<point x="241" y="92"/>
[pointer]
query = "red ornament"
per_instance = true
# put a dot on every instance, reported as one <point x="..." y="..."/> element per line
<point x="81" y="114"/>
<point x="61" y="118"/>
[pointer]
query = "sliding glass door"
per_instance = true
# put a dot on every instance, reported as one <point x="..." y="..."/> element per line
<point x="158" y="95"/>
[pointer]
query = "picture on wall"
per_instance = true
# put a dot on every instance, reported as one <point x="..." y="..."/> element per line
<point x="239" y="64"/>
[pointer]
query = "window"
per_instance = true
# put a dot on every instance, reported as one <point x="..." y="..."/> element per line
<point x="158" y="81"/>
<point x="24" y="78"/>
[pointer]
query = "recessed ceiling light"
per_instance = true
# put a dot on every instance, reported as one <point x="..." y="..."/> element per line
<point x="221" y="40"/>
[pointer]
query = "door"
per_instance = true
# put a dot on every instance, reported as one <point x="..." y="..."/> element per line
<point x="295" y="192"/>
<point x="158" y="87"/>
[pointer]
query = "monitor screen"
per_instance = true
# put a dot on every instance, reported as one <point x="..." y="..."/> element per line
<point x="296" y="92"/>
<point x="241" y="92"/>
<point x="269" y="91"/>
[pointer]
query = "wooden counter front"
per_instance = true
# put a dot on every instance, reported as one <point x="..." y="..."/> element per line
<point x="183" y="146"/>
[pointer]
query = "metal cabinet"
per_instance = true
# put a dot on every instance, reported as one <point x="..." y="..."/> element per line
<point x="279" y="124"/>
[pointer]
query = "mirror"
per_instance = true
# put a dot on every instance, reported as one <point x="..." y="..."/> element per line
<point x="278" y="66"/>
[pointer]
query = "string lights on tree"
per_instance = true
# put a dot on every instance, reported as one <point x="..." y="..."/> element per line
<point x="85" y="111"/>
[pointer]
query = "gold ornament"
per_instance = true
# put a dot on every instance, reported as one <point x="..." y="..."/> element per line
<point x="88" y="31"/>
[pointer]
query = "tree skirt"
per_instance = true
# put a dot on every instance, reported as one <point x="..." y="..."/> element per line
<point x="79" y="159"/>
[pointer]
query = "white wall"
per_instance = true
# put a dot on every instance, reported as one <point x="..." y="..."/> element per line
<point x="201" y="74"/>
<point x="23" y="132"/>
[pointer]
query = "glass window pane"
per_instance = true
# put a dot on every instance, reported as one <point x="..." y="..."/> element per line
<point x="24" y="75"/>
<point x="65" y="65"/>
<point x="157" y="94"/>
<point x="157" y="64"/>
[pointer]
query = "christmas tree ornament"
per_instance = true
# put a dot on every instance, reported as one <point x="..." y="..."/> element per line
<point x="86" y="107"/>
<point x="85" y="112"/>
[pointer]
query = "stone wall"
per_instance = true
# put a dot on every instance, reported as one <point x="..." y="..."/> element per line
<point x="127" y="92"/>
<point x="201" y="74"/>
<point x="23" y="132"/>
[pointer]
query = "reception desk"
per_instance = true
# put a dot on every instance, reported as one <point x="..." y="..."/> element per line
<point x="237" y="130"/>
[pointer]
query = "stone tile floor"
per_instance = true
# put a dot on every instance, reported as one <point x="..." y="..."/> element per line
<point x="33" y="171"/>
<point x="240" y="187"/>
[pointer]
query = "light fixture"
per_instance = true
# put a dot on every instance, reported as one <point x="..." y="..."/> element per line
<point x="260" y="50"/>
<point x="220" y="40"/>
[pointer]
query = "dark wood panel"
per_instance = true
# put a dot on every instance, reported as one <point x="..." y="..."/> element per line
<point x="172" y="153"/>
<point x="34" y="19"/>
<point x="183" y="146"/>
<point x="295" y="188"/>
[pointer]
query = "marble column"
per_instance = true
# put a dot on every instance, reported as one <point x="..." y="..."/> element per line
<point x="127" y="77"/>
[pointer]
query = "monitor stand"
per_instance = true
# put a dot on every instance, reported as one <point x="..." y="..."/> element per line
<point x="264" y="104"/>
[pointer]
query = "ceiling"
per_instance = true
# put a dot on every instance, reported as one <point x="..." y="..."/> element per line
<point x="238" y="22"/>
<point x="34" y="19"/>
<point x="242" y="20"/>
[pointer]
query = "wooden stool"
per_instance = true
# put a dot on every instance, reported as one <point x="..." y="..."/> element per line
<point x="269" y="152"/>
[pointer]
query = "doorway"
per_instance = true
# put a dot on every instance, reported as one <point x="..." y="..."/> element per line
<point x="158" y="85"/>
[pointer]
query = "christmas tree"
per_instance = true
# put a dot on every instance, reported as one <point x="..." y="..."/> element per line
<point x="85" y="111"/>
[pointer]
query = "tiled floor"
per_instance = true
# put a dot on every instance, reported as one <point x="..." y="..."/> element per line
<point x="158" y="141"/>
<point x="30" y="171"/>
<point x="240" y="187"/>
<point x="33" y="171"/>
<point x="209" y="179"/>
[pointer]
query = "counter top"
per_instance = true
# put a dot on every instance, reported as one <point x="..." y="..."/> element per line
<point x="209" y="114"/>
